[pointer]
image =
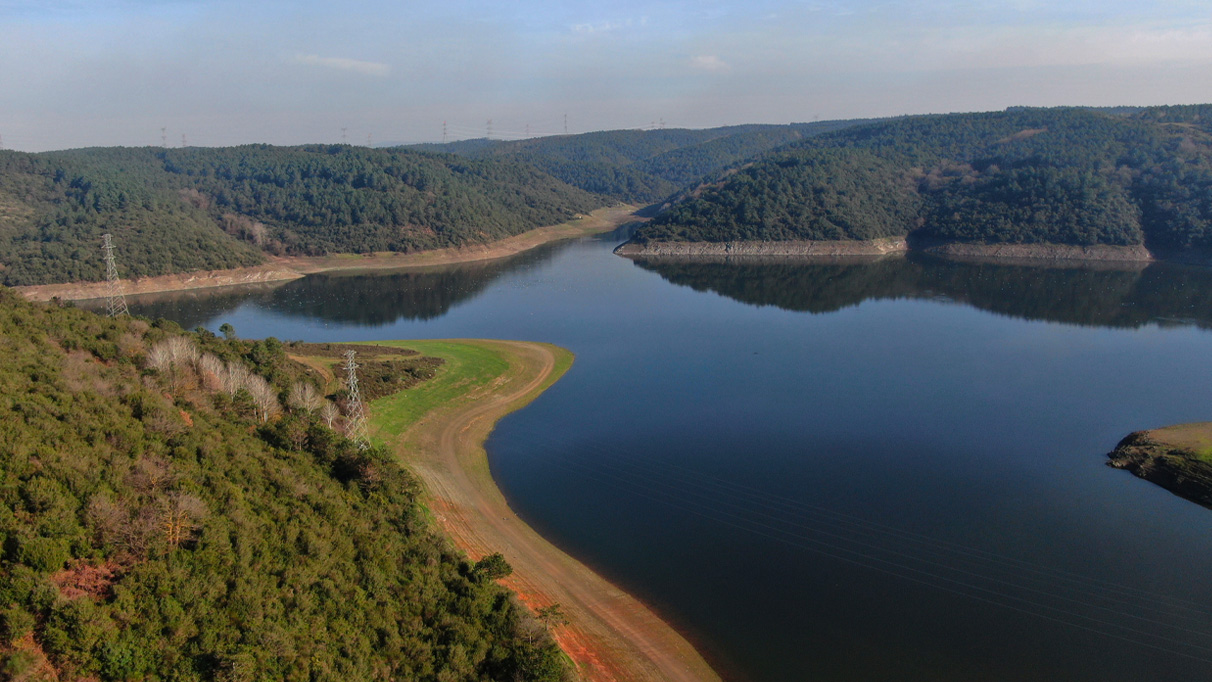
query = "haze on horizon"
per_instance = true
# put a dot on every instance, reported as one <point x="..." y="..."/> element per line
<point x="114" y="72"/>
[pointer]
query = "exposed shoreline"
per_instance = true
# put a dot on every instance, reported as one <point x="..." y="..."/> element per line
<point x="1174" y="457"/>
<point x="281" y="269"/>
<point x="1028" y="253"/>
<point x="611" y="635"/>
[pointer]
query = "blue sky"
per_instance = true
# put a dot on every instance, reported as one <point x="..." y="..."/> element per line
<point x="101" y="72"/>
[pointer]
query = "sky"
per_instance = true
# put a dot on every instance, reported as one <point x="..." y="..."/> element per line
<point x="76" y="73"/>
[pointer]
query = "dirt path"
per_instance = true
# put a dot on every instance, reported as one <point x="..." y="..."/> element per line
<point x="611" y="635"/>
<point x="287" y="268"/>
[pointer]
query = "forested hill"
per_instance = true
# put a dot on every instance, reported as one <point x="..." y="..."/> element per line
<point x="640" y="166"/>
<point x="177" y="210"/>
<point x="176" y="506"/>
<point x="1051" y="176"/>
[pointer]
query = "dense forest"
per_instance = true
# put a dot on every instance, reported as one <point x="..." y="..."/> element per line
<point x="1054" y="176"/>
<point x="640" y="166"/>
<point x="181" y="506"/>
<point x="177" y="210"/>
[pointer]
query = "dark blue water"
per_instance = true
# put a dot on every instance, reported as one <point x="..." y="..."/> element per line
<point x="889" y="471"/>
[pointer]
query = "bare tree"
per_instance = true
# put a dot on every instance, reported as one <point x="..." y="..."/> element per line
<point x="150" y="475"/>
<point x="180" y="515"/>
<point x="173" y="357"/>
<point x="263" y="396"/>
<point x="211" y="371"/>
<point x="304" y="396"/>
<point x="235" y="377"/>
<point x="329" y="413"/>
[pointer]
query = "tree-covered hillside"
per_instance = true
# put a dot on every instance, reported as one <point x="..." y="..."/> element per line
<point x="181" y="507"/>
<point x="1055" y="176"/>
<point x="640" y="166"/>
<point x="176" y="210"/>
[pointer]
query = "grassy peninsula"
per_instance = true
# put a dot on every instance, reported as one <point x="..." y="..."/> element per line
<point x="1069" y="177"/>
<point x="438" y="429"/>
<point x="1178" y="458"/>
<point x="180" y="506"/>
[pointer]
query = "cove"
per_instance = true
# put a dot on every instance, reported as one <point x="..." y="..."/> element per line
<point x="890" y="470"/>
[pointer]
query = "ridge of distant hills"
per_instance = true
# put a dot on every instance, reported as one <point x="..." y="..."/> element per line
<point x="178" y="210"/>
<point x="1121" y="176"/>
<point x="640" y="166"/>
<point x="1072" y="176"/>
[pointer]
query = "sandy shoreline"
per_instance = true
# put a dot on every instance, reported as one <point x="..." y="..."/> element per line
<point x="611" y="636"/>
<point x="281" y="269"/>
<point x="1036" y="253"/>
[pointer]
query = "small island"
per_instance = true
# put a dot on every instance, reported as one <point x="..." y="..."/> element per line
<point x="1178" y="458"/>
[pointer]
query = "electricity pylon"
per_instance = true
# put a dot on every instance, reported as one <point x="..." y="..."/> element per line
<point x="115" y="302"/>
<point x="355" y="413"/>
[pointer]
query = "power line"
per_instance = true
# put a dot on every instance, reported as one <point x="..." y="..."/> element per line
<point x="115" y="302"/>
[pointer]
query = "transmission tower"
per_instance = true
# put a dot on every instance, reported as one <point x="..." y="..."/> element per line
<point x="343" y="137"/>
<point x="164" y="137"/>
<point x="490" y="128"/>
<point x="369" y="137"/>
<point x="184" y="144"/>
<point x="115" y="302"/>
<point x="355" y="414"/>
<point x="443" y="132"/>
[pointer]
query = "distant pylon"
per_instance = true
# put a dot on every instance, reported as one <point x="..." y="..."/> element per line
<point x="368" y="140"/>
<point x="355" y="414"/>
<point x="115" y="302"/>
<point x="164" y="137"/>
<point x="343" y="136"/>
<point x="490" y="128"/>
<point x="184" y="144"/>
<point x="443" y="132"/>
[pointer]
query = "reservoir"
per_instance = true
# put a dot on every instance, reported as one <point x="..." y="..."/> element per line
<point x="888" y="470"/>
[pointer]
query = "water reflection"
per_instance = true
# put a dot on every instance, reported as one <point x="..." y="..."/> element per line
<point x="366" y="299"/>
<point x="1105" y="296"/>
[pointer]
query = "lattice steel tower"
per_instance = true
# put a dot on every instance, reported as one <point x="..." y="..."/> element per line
<point x="355" y="414"/>
<point x="115" y="302"/>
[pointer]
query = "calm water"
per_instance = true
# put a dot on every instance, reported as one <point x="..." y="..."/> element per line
<point x="890" y="471"/>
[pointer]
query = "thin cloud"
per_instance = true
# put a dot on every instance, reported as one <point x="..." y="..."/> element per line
<point x="343" y="64"/>
<point x="709" y="63"/>
<point x="609" y="26"/>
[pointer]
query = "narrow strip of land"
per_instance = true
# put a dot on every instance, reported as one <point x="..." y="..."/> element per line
<point x="439" y="430"/>
<point x="282" y="269"/>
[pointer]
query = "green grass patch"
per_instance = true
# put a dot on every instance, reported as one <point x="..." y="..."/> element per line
<point x="467" y="366"/>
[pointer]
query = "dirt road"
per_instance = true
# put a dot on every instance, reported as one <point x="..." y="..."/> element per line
<point x="611" y="635"/>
